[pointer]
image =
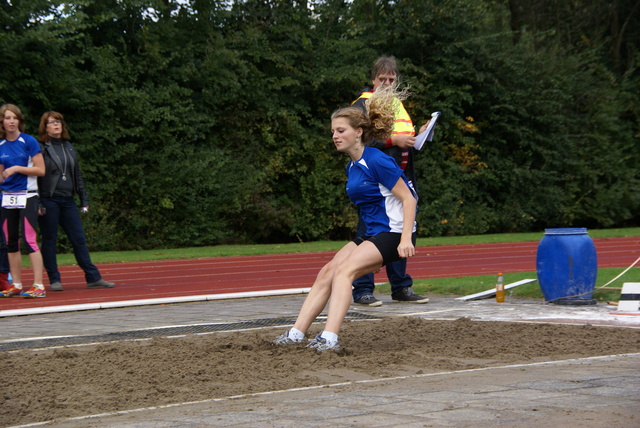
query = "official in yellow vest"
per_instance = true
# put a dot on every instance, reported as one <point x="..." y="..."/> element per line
<point x="400" y="147"/>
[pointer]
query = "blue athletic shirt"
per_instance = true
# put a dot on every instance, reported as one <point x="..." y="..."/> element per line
<point x="369" y="184"/>
<point x="19" y="152"/>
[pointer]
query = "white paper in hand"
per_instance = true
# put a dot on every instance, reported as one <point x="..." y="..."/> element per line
<point x="427" y="135"/>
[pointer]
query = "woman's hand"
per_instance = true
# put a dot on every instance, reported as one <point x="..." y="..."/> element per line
<point x="406" y="249"/>
<point x="9" y="171"/>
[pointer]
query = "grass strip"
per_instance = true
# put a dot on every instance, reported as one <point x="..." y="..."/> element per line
<point x="463" y="286"/>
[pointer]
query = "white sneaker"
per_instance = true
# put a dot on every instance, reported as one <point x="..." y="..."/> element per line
<point x="284" y="340"/>
<point x="320" y="345"/>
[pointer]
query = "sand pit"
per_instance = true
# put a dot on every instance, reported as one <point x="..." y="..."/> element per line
<point x="50" y="384"/>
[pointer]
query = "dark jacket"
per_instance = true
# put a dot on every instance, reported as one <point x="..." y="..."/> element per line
<point x="53" y="171"/>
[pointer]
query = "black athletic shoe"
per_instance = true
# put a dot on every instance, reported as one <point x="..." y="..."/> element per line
<point x="101" y="284"/>
<point x="368" y="300"/>
<point x="409" y="296"/>
<point x="56" y="286"/>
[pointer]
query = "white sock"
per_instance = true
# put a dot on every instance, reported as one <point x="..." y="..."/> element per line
<point x="40" y="286"/>
<point x="296" y="335"/>
<point x="331" y="338"/>
<point x="18" y="286"/>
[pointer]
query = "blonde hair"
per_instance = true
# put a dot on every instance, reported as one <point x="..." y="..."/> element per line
<point x="381" y="107"/>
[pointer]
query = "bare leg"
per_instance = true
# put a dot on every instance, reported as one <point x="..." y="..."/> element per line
<point x="15" y="266"/>
<point x="321" y="290"/>
<point x="364" y="259"/>
<point x="36" y="265"/>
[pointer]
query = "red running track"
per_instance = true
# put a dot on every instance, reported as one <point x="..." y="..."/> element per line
<point x="221" y="275"/>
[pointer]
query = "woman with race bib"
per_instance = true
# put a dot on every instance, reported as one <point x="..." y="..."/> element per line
<point x="21" y="162"/>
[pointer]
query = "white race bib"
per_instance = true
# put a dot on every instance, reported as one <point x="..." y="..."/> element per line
<point x="14" y="200"/>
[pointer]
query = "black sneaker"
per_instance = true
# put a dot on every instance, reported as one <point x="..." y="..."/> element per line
<point x="101" y="284"/>
<point x="409" y="296"/>
<point x="368" y="300"/>
<point x="56" y="286"/>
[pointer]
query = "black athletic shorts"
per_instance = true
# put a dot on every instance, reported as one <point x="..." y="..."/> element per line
<point x="387" y="243"/>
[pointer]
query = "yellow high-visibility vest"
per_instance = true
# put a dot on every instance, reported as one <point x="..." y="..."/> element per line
<point x="403" y="124"/>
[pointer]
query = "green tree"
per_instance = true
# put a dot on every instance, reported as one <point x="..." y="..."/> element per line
<point x="202" y="122"/>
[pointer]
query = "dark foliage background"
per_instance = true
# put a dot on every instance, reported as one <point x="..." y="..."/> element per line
<point x="206" y="122"/>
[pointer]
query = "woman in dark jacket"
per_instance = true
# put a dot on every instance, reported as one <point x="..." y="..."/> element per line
<point x="61" y="182"/>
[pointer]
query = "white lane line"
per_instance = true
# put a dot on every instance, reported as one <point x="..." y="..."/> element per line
<point x="144" y="302"/>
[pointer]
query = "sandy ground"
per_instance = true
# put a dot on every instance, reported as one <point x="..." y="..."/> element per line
<point x="73" y="381"/>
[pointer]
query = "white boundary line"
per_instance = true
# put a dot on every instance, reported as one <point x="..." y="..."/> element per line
<point x="143" y="302"/>
<point x="331" y="385"/>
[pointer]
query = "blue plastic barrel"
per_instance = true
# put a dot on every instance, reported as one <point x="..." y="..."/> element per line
<point x="567" y="266"/>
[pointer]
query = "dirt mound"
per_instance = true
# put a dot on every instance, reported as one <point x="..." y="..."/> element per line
<point x="73" y="381"/>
